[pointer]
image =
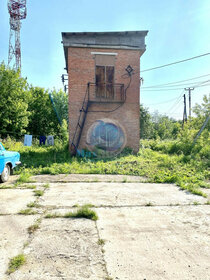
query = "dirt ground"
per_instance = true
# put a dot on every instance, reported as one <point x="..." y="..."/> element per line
<point x="144" y="231"/>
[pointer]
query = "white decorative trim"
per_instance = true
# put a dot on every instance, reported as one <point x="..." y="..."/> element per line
<point x="103" y="53"/>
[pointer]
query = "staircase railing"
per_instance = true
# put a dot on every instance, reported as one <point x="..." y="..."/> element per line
<point x="106" y="92"/>
<point x="80" y="123"/>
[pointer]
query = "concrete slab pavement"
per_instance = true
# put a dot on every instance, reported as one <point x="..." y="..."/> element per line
<point x="14" y="200"/>
<point x="116" y="194"/>
<point x="63" y="249"/>
<point x="151" y="231"/>
<point x="164" y="243"/>
<point x="68" y="178"/>
<point x="13" y="236"/>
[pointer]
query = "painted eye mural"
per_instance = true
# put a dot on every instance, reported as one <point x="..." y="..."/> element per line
<point x="105" y="138"/>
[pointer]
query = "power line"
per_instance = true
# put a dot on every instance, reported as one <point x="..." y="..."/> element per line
<point x="176" y="85"/>
<point x="180" y="61"/>
<point x="171" y="83"/>
<point x="203" y="82"/>
<point x="162" y="89"/>
<point x="174" y="106"/>
<point x="167" y="101"/>
<point x="174" y="88"/>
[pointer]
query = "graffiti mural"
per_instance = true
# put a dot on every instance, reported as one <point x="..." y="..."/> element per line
<point x="105" y="138"/>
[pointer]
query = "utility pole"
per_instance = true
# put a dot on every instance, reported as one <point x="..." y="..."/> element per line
<point x="185" y="110"/>
<point x="189" y="89"/>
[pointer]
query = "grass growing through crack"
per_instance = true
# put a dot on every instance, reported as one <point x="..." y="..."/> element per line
<point x="15" y="263"/>
<point x="52" y="216"/>
<point x="94" y="180"/>
<point x="34" y="227"/>
<point x="6" y="187"/>
<point x="101" y="241"/>
<point x="46" y="186"/>
<point x="196" y="203"/>
<point x="33" y="205"/>
<point x="27" y="211"/>
<point x="75" y="205"/>
<point x="82" y="212"/>
<point x="24" y="178"/>
<point x="149" y="204"/>
<point x="25" y="186"/>
<point x="38" y="193"/>
<point x="124" y="180"/>
<point x="89" y="205"/>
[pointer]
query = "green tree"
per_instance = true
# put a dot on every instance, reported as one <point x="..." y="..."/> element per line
<point x="165" y="127"/>
<point x="153" y="126"/>
<point x="13" y="102"/>
<point x="145" y="123"/>
<point x="201" y="111"/>
<point x="191" y="128"/>
<point x="64" y="131"/>
<point x="60" y="101"/>
<point x="43" y="119"/>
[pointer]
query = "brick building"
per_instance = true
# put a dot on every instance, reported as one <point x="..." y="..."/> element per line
<point x="104" y="89"/>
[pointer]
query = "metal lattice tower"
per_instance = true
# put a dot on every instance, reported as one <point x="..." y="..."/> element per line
<point x="17" y="11"/>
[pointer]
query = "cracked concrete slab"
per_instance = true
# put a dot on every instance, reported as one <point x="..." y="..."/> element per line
<point x="12" y="180"/>
<point x="67" y="178"/>
<point x="163" y="241"/>
<point x="156" y="242"/>
<point x="13" y="235"/>
<point x="14" y="200"/>
<point x="116" y="194"/>
<point x="63" y="249"/>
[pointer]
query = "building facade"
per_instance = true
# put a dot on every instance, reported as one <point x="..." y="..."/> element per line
<point x="104" y="90"/>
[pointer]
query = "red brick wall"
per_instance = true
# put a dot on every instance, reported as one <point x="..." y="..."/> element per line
<point x="81" y="70"/>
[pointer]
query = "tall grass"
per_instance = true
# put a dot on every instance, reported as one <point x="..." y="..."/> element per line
<point x="160" y="162"/>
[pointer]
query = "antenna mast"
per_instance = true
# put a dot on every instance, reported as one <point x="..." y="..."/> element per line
<point x="17" y="11"/>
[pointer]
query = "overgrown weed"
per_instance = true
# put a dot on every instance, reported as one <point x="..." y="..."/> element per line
<point x="34" y="227"/>
<point x="83" y="212"/>
<point x="24" y="177"/>
<point x="15" y="263"/>
<point x="158" y="161"/>
<point x="33" y="205"/>
<point x="101" y="242"/>
<point x="38" y="192"/>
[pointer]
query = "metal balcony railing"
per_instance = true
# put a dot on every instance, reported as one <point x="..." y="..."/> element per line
<point x="106" y="92"/>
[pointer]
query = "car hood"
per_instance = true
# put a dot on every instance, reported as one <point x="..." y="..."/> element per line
<point x="8" y="154"/>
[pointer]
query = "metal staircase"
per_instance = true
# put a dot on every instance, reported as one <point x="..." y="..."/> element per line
<point x="80" y="124"/>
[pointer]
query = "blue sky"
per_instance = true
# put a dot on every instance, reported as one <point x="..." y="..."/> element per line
<point x="177" y="30"/>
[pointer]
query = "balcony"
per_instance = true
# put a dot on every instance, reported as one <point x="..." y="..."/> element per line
<point x="106" y="93"/>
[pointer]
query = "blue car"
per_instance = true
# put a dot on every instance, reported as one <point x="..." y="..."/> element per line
<point x="8" y="161"/>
